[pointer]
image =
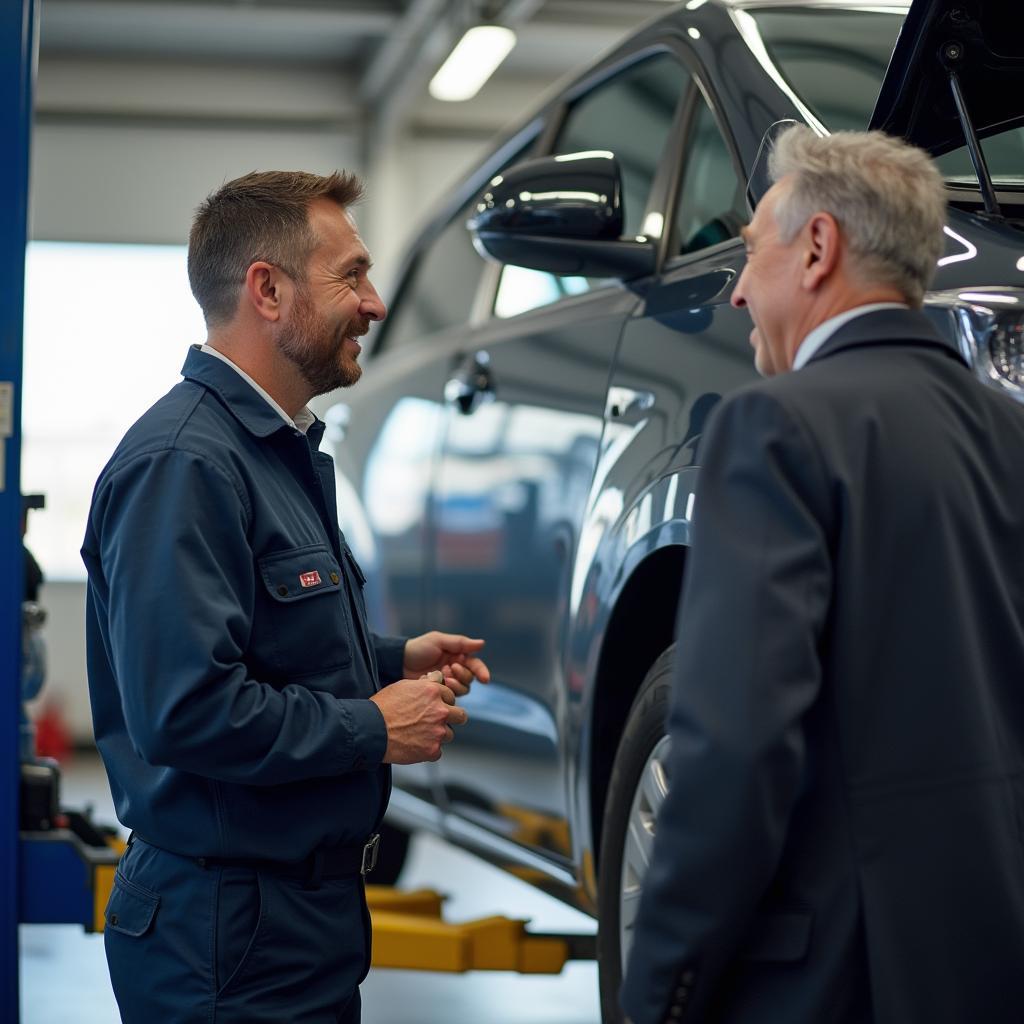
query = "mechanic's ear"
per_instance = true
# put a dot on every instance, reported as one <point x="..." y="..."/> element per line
<point x="265" y="290"/>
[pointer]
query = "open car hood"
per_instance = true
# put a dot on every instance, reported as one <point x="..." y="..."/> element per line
<point x="983" y="42"/>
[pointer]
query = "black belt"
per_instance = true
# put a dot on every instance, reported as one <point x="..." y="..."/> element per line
<point x="323" y="863"/>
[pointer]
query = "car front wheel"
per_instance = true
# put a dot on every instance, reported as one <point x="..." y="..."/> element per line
<point x="636" y="791"/>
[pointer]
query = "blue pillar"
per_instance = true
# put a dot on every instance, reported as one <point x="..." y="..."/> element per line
<point x="17" y="71"/>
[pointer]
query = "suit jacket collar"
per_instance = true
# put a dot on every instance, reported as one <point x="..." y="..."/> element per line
<point x="887" y="327"/>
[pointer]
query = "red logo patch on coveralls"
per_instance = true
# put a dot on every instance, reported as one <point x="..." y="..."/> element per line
<point x="309" y="579"/>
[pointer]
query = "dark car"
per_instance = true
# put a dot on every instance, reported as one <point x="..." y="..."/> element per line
<point x="521" y="461"/>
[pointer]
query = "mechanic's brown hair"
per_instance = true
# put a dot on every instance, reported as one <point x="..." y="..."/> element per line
<point x="262" y="216"/>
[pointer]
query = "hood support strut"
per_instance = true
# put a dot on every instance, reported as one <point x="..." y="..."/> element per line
<point x="950" y="55"/>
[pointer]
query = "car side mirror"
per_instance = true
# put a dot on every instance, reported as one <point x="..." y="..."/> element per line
<point x="563" y="215"/>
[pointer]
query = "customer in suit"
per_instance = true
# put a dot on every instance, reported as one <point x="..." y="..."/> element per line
<point x="843" y="836"/>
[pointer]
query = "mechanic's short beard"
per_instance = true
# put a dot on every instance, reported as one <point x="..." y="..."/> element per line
<point x="317" y="351"/>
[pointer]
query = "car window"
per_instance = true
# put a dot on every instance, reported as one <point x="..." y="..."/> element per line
<point x="835" y="61"/>
<point x="631" y="115"/>
<point x="440" y="291"/>
<point x="521" y="288"/>
<point x="1004" y="155"/>
<point x="711" y="205"/>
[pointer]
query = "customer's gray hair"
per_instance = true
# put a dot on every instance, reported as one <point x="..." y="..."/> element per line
<point x="887" y="196"/>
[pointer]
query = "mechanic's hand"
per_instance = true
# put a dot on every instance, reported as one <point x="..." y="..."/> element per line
<point x="454" y="655"/>
<point x="458" y="677"/>
<point x="419" y="715"/>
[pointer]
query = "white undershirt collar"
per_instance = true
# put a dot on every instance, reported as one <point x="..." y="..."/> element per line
<point x="304" y="419"/>
<point x="816" y="338"/>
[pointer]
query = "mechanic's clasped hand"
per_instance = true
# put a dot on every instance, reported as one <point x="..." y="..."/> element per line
<point x="419" y="710"/>
<point x="449" y="653"/>
<point x="419" y="715"/>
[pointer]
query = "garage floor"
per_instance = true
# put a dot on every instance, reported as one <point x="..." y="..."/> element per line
<point x="64" y="974"/>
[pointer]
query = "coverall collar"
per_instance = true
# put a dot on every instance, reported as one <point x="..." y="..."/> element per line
<point x="246" y="404"/>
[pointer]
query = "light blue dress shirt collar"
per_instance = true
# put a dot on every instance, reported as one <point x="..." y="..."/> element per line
<point x="810" y="345"/>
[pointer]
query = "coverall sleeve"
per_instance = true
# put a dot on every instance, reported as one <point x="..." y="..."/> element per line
<point x="390" y="652"/>
<point x="171" y="529"/>
<point x="747" y="670"/>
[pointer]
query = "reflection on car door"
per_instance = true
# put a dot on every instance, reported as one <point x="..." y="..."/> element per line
<point x="522" y="436"/>
<point x="387" y="433"/>
<point x="686" y="331"/>
<point x="508" y="501"/>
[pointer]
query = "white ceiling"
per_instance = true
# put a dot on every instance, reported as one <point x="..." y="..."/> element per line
<point x="558" y="34"/>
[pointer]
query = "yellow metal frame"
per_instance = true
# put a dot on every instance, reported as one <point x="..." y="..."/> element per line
<point x="409" y="934"/>
<point x="103" y="885"/>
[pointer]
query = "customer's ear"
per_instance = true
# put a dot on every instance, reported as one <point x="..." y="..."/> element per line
<point x="823" y="242"/>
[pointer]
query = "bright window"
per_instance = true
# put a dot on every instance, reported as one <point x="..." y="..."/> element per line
<point x="107" y="329"/>
<point x="522" y="289"/>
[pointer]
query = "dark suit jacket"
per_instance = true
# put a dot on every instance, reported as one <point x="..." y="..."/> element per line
<point x="843" y="839"/>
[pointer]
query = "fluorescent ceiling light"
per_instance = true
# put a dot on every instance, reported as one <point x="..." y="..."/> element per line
<point x="474" y="59"/>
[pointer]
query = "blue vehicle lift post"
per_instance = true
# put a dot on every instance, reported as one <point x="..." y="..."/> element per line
<point x="18" y="33"/>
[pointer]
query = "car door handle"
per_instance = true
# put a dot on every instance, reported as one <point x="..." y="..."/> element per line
<point x="467" y="391"/>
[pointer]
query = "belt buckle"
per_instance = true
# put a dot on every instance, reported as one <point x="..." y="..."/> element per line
<point x="370" y="851"/>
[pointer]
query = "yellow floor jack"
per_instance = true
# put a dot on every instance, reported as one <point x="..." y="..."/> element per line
<point x="409" y="933"/>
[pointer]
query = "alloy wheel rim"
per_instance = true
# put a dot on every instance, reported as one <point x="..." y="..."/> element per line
<point x="651" y="789"/>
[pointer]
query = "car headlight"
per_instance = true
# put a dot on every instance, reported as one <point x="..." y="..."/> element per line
<point x="988" y="326"/>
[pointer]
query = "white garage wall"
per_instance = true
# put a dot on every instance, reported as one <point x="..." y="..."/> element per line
<point x="124" y="151"/>
<point x="137" y="183"/>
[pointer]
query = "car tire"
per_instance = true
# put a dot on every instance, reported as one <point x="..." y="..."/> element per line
<point x="639" y="759"/>
<point x="394" y="851"/>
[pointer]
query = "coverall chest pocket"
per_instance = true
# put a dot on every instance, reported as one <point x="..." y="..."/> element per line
<point x="308" y="624"/>
<point x="356" y="574"/>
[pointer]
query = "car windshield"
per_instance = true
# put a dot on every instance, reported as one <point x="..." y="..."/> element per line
<point x="835" y="60"/>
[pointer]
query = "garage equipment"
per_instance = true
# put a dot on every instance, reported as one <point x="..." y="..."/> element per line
<point x="409" y="933"/>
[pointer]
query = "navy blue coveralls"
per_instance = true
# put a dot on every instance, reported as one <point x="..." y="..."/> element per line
<point x="230" y="664"/>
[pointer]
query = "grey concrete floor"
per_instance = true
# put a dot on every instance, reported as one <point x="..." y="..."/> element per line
<point x="64" y="974"/>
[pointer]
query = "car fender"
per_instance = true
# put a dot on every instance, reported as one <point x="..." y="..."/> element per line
<point x="619" y="544"/>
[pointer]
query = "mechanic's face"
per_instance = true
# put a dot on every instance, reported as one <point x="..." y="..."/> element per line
<point x="770" y="287"/>
<point x="334" y="306"/>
